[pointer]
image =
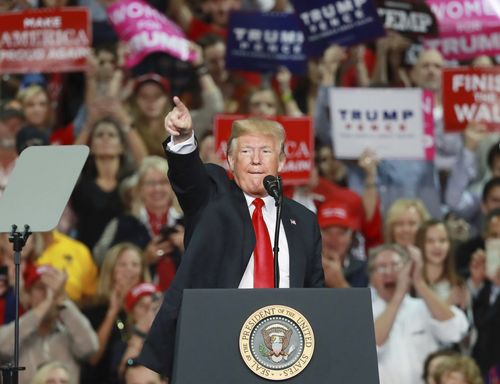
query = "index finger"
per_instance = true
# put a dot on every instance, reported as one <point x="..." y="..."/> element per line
<point x="180" y="105"/>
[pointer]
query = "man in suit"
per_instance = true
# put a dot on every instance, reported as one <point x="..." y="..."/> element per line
<point x="221" y="246"/>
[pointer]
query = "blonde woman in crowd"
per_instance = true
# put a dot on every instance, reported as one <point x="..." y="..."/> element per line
<point x="36" y="107"/>
<point x="458" y="370"/>
<point x="123" y="268"/>
<point x="53" y="373"/>
<point x="402" y="221"/>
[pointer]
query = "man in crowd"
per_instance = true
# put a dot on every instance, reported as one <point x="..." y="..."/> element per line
<point x="52" y="329"/>
<point x="231" y="223"/>
<point x="407" y="329"/>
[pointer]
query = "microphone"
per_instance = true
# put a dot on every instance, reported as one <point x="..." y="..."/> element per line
<point x="272" y="184"/>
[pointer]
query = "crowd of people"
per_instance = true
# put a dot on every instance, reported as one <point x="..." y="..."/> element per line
<point x="422" y="234"/>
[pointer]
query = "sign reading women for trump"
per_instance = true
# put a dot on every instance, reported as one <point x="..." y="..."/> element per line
<point x="471" y="95"/>
<point x="395" y="123"/>
<point x="467" y="28"/>
<point x="145" y="30"/>
<point x="263" y="41"/>
<point x="48" y="40"/>
<point x="299" y="145"/>
<point x="342" y="22"/>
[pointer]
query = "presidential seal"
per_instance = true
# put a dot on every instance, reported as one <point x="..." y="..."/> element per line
<point x="276" y="342"/>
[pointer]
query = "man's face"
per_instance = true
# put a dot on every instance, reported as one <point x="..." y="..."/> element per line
<point x="254" y="157"/>
<point x="215" y="61"/>
<point x="384" y="276"/>
<point x="141" y="375"/>
<point x="336" y="239"/>
<point x="427" y="72"/>
<point x="219" y="10"/>
<point x="492" y="201"/>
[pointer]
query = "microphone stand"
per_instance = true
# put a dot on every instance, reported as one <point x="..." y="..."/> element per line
<point x="10" y="373"/>
<point x="276" y="249"/>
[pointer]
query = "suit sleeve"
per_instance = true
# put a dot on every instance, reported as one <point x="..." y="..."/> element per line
<point x="315" y="277"/>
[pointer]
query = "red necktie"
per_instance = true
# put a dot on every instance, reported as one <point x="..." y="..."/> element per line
<point x="263" y="270"/>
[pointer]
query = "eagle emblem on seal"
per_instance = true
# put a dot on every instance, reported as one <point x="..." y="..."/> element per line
<point x="277" y="339"/>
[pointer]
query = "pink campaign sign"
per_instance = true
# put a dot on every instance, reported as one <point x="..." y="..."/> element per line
<point x="145" y="30"/>
<point x="467" y="28"/>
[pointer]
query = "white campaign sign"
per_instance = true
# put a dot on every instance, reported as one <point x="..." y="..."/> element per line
<point x="388" y="121"/>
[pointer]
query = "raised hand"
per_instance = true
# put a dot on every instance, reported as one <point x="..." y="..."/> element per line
<point x="178" y="122"/>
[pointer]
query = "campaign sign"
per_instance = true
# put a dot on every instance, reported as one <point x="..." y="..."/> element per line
<point x="145" y="30"/>
<point x="262" y="42"/>
<point x="395" y="123"/>
<point x="471" y="95"/>
<point x="342" y="22"/>
<point x="409" y="17"/>
<point x="299" y="145"/>
<point x="467" y="28"/>
<point x="45" y="40"/>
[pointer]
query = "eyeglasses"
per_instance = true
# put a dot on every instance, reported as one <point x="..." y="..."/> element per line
<point x="387" y="268"/>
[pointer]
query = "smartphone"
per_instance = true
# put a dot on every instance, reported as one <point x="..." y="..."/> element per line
<point x="492" y="257"/>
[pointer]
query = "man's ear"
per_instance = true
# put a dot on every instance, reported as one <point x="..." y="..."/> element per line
<point x="230" y="162"/>
<point x="281" y="163"/>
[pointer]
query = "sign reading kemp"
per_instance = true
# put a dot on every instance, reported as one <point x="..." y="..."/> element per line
<point x="299" y="145"/>
<point x="48" y="40"/>
<point x="263" y="41"/>
<point x="145" y="30"/>
<point x="410" y="17"/>
<point x="467" y="28"/>
<point x="471" y="95"/>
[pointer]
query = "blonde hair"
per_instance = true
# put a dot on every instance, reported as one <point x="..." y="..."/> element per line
<point x="257" y="126"/>
<point x="398" y="208"/>
<point x="462" y="364"/>
<point x="28" y="93"/>
<point x="105" y="284"/>
<point x="43" y="372"/>
<point x="159" y="164"/>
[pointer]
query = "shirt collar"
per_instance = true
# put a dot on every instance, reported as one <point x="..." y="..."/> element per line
<point x="268" y="201"/>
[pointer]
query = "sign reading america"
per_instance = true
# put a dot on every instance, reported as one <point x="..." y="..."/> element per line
<point x="45" y="40"/>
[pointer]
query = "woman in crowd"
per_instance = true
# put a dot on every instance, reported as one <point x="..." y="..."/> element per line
<point x="53" y="373"/>
<point x="95" y="200"/>
<point x="124" y="267"/>
<point x="433" y="240"/>
<point x="153" y="208"/>
<point x="458" y="370"/>
<point x="36" y="107"/>
<point x="402" y="221"/>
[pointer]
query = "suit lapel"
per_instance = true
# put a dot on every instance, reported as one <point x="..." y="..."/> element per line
<point x="248" y="235"/>
<point x="292" y="236"/>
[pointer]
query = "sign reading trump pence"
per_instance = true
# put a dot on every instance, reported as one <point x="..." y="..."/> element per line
<point x="471" y="95"/>
<point x="299" y="145"/>
<point x="395" y="123"/>
<point x="49" y="40"/>
<point x="342" y="22"/>
<point x="263" y="41"/>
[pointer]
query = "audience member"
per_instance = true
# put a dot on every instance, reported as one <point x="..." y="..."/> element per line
<point x="53" y="373"/>
<point x="458" y="370"/>
<point x="52" y="329"/>
<point x="399" y="317"/>
<point x="403" y="219"/>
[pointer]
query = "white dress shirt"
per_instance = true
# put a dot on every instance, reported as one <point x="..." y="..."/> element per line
<point x="269" y="213"/>
<point x="413" y="336"/>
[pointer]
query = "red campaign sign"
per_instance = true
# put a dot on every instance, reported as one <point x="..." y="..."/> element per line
<point x="45" y="40"/>
<point x="471" y="95"/>
<point x="299" y="145"/>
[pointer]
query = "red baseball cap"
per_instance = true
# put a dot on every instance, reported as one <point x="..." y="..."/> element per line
<point x="32" y="273"/>
<point x="337" y="213"/>
<point x="140" y="290"/>
<point x="152" y="78"/>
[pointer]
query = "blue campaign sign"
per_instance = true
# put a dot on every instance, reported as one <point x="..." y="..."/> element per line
<point x="342" y="22"/>
<point x="262" y="42"/>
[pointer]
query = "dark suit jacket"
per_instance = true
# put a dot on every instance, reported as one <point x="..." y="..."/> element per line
<point x="219" y="242"/>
